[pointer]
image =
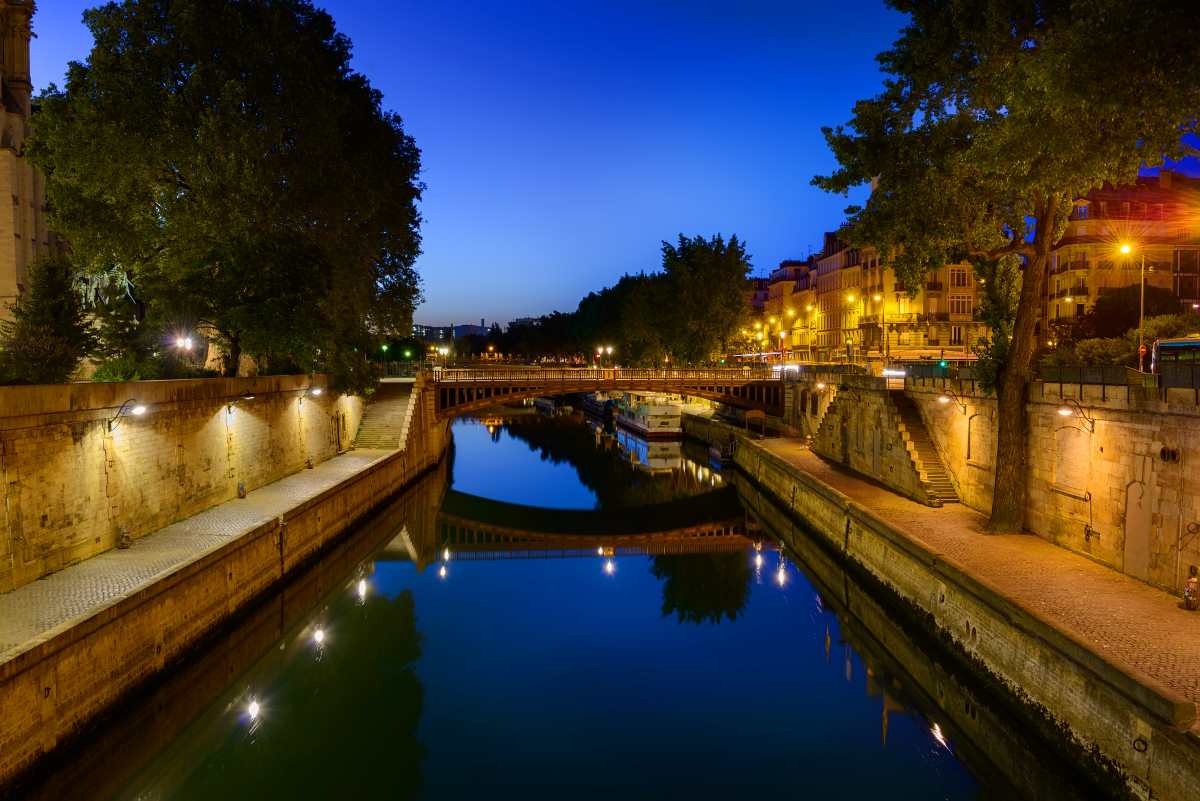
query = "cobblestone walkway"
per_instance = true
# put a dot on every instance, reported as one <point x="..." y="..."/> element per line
<point x="36" y="611"/>
<point x="1133" y="626"/>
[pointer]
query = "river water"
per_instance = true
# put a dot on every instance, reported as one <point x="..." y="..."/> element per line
<point x="559" y="613"/>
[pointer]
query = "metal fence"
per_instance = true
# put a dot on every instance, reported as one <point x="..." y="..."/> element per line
<point x="578" y="375"/>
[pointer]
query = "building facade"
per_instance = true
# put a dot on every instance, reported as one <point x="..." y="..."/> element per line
<point x="1156" y="219"/>
<point x="845" y="304"/>
<point x="23" y="234"/>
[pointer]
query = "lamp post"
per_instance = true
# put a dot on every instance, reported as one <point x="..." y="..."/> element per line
<point x="1125" y="248"/>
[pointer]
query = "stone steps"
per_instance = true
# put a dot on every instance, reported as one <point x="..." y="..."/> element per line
<point x="383" y="419"/>
<point x="920" y="445"/>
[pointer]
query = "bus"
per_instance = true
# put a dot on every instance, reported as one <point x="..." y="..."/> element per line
<point x="1182" y="350"/>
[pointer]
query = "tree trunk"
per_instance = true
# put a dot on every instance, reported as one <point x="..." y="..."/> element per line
<point x="232" y="358"/>
<point x="1008" y="501"/>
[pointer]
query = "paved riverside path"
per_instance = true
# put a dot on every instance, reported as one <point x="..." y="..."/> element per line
<point x="1135" y="627"/>
<point x="36" y="611"/>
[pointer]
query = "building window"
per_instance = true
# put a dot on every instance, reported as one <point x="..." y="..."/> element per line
<point x="958" y="278"/>
<point x="960" y="304"/>
<point x="956" y="335"/>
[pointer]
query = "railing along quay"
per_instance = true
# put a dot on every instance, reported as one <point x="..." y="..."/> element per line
<point x="448" y="375"/>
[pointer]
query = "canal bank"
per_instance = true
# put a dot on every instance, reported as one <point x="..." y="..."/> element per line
<point x="75" y="644"/>
<point x="1107" y="660"/>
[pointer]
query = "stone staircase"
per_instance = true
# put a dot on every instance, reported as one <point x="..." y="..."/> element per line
<point x="386" y="417"/>
<point x="929" y="465"/>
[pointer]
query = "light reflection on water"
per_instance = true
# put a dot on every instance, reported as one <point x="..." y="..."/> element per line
<point x="701" y="675"/>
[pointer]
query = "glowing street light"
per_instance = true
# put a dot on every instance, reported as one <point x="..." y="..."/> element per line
<point x="319" y="636"/>
<point x="252" y="709"/>
<point x="1126" y="249"/>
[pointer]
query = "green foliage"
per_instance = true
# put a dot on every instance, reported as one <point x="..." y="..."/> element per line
<point x="1000" y="292"/>
<point x="1116" y="310"/>
<point x="49" y="333"/>
<point x="227" y="160"/>
<point x="689" y="313"/>
<point x="1122" y="350"/>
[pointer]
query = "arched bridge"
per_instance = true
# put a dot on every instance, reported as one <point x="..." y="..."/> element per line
<point x="481" y="528"/>
<point x="459" y="390"/>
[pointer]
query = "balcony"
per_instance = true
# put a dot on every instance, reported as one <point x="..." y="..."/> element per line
<point x="1071" y="292"/>
<point x="934" y="317"/>
<point x="904" y="318"/>
<point x="934" y="286"/>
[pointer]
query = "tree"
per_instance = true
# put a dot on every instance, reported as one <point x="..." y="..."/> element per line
<point x="49" y="333"/>
<point x="995" y="117"/>
<point x="706" y="281"/>
<point x="1116" y="310"/>
<point x="227" y="158"/>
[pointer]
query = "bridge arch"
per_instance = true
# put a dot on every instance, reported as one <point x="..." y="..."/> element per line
<point x="458" y="392"/>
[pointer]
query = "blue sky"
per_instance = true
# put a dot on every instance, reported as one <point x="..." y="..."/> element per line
<point x="563" y="141"/>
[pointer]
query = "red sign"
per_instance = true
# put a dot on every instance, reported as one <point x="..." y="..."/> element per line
<point x="1142" y="349"/>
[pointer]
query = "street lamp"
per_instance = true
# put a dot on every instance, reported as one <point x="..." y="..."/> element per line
<point x="1125" y="250"/>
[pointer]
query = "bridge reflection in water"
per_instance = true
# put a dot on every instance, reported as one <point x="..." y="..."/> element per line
<point x="473" y="527"/>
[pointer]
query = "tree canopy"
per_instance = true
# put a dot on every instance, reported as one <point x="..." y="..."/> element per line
<point x="49" y="333"/>
<point x="995" y="115"/>
<point x="688" y="313"/>
<point x="226" y="158"/>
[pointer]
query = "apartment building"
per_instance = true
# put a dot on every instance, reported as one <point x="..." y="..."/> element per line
<point x="846" y="304"/>
<point x="1112" y="230"/>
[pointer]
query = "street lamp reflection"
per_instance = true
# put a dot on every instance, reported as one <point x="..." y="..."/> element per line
<point x="610" y="567"/>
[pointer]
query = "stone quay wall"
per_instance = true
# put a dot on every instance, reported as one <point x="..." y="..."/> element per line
<point x="1137" y="729"/>
<point x="74" y="484"/>
<point x="1116" y="479"/>
<point x="52" y="690"/>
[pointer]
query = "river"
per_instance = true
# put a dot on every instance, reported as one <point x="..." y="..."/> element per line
<point x="549" y="616"/>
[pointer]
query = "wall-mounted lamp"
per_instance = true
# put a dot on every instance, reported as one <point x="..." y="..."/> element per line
<point x="129" y="407"/>
<point x="820" y="385"/>
<point x="1071" y="407"/>
<point x="948" y="395"/>
<point x="315" y="391"/>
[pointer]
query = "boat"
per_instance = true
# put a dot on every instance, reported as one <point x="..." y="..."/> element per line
<point x="651" y="421"/>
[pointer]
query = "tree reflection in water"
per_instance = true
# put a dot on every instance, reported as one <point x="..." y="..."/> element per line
<point x="703" y="588"/>
<point x="334" y="709"/>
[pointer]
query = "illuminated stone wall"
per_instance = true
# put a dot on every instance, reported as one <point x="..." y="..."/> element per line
<point x="1124" y="491"/>
<point x="71" y="485"/>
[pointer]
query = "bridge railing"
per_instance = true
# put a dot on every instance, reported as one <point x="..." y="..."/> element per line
<point x="577" y="375"/>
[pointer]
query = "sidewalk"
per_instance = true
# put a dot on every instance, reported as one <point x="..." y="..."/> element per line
<point x="33" y="613"/>
<point x="1135" y="627"/>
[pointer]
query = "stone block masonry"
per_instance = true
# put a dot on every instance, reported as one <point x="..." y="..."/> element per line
<point x="1108" y="662"/>
<point x="74" y="485"/>
<point x="78" y="643"/>
<point x="1116" y="479"/>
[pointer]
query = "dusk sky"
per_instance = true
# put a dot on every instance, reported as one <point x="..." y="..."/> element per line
<point x="562" y="142"/>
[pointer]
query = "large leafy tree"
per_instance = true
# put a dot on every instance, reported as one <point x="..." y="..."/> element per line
<point x="995" y="116"/>
<point x="226" y="158"/>
<point x="707" y="294"/>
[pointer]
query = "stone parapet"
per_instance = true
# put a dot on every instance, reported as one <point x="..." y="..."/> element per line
<point x="80" y="475"/>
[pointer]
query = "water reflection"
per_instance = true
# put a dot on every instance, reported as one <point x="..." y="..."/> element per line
<point x="703" y="588"/>
<point x="453" y="653"/>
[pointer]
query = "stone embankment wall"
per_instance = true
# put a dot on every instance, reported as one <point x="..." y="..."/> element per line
<point x="122" y="748"/>
<point x="54" y="688"/>
<point x="860" y="430"/>
<point x="1122" y="487"/>
<point x="1116" y="479"/>
<point x="1137" y="729"/>
<point x="73" y="483"/>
